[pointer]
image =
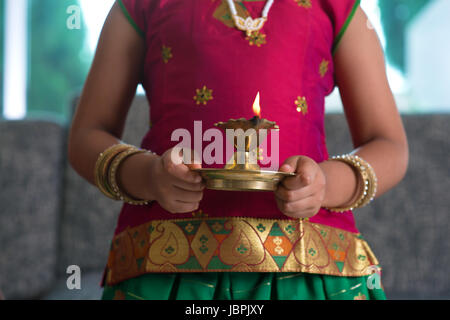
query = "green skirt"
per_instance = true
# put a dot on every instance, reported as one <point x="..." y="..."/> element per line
<point x="244" y="286"/>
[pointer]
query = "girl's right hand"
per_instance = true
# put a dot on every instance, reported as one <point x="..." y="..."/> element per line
<point x="173" y="185"/>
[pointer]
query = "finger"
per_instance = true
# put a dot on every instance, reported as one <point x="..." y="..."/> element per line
<point x="194" y="166"/>
<point x="289" y="164"/>
<point x="294" y="183"/>
<point x="173" y="164"/>
<point x="299" y="206"/>
<point x="182" y="207"/>
<point x="188" y="185"/>
<point x="285" y="194"/>
<point x="191" y="158"/>
<point x="295" y="215"/>
<point x="303" y="214"/>
<point x="306" y="170"/>
<point x="183" y="173"/>
<point x="186" y="196"/>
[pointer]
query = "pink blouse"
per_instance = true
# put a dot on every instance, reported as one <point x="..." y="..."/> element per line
<point x="199" y="67"/>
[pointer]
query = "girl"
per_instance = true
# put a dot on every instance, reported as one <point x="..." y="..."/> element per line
<point x="199" y="61"/>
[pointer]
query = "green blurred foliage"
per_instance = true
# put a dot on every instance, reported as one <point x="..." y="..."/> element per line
<point x="56" y="67"/>
<point x="395" y="17"/>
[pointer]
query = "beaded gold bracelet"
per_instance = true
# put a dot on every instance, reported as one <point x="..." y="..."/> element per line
<point x="369" y="179"/>
<point x="371" y="184"/>
<point x="101" y="168"/>
<point x="112" y="176"/>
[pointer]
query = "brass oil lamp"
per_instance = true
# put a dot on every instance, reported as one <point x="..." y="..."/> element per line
<point x="242" y="172"/>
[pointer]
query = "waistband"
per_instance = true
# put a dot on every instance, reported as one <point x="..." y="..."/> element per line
<point x="237" y="244"/>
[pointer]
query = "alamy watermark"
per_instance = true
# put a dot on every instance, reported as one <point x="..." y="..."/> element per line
<point x="374" y="280"/>
<point x="74" y="280"/>
<point x="213" y="153"/>
<point x="73" y="22"/>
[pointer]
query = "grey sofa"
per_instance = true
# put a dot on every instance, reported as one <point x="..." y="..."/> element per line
<point x="50" y="218"/>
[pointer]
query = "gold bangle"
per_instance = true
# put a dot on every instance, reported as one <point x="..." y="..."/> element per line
<point x="102" y="165"/>
<point x="107" y="164"/>
<point x="112" y="177"/>
<point x="371" y="184"/>
<point x="369" y="179"/>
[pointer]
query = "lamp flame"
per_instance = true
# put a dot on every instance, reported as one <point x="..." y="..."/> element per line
<point x="257" y="106"/>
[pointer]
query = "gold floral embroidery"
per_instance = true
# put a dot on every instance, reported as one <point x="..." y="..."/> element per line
<point x="119" y="295"/>
<point x="217" y="227"/>
<point x="302" y="105"/>
<point x="360" y="296"/>
<point x="199" y="214"/>
<point x="219" y="244"/>
<point x="166" y="53"/>
<point x="259" y="154"/>
<point x="189" y="228"/>
<point x="323" y="68"/>
<point x="304" y="3"/>
<point x="203" y="95"/>
<point x="256" y="38"/>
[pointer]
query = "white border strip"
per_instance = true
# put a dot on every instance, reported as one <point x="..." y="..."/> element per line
<point x="15" y="63"/>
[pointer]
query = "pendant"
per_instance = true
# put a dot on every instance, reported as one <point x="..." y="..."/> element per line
<point x="249" y="25"/>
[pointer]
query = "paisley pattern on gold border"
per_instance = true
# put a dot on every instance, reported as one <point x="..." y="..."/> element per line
<point x="237" y="245"/>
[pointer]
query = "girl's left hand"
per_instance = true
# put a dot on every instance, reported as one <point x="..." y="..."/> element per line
<point x="301" y="196"/>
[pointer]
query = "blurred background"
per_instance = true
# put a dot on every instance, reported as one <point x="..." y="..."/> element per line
<point x="46" y="48"/>
<point x="44" y="65"/>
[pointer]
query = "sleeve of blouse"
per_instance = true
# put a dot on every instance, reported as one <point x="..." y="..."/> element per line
<point x="341" y="13"/>
<point x="134" y="11"/>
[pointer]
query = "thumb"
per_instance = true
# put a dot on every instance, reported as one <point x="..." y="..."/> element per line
<point x="191" y="158"/>
<point x="289" y="165"/>
<point x="194" y="166"/>
<point x="174" y="164"/>
<point x="194" y="162"/>
<point x="294" y="164"/>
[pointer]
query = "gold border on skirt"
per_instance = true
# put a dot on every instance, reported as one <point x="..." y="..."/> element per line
<point x="237" y="244"/>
